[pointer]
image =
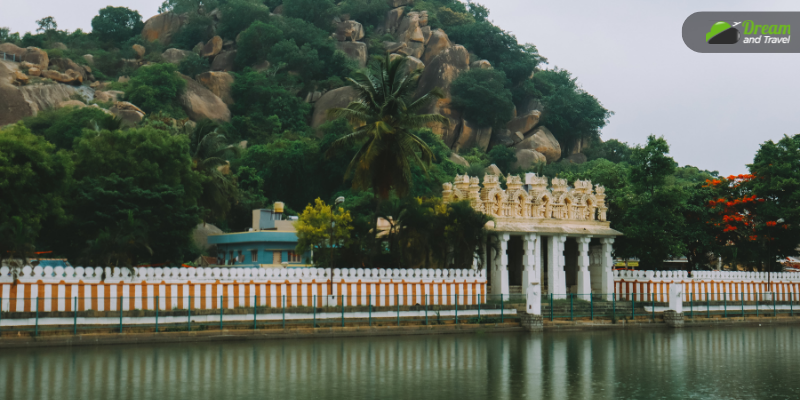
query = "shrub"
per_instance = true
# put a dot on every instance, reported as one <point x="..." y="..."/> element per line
<point x="481" y="95"/>
<point x="193" y="65"/>
<point x="156" y="88"/>
<point x="117" y="24"/>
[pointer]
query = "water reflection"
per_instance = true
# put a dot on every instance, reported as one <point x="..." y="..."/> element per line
<point x="693" y="363"/>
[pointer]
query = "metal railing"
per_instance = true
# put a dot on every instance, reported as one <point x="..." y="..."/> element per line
<point x="120" y="315"/>
<point x="9" y="57"/>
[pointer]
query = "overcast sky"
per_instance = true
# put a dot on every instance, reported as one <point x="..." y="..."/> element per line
<point x="713" y="109"/>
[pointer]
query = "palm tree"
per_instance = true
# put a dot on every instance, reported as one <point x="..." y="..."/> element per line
<point x="210" y="153"/>
<point x="384" y="116"/>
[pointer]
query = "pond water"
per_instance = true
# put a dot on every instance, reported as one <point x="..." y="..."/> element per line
<point x="741" y="362"/>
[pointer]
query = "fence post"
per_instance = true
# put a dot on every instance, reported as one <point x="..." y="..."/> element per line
<point x="120" y="314"/>
<point x="742" y="305"/>
<point x="369" y="308"/>
<point x="502" y="308"/>
<point x="708" y="306"/>
<point x="314" y="322"/>
<point x="36" y="331"/>
<point x="1" y="314"/>
<point x="551" y="306"/>
<point x="479" y="311"/>
<point x="75" y="318"/>
<point x="757" y="296"/>
<point x="591" y="306"/>
<point x="157" y="307"/>
<point x="255" y="312"/>
<point x="343" y="311"/>
<point x="725" y="304"/>
<point x="791" y="304"/>
<point x="456" y="308"/>
<point x="571" y="307"/>
<point x="283" y="309"/>
<point x="189" y="320"/>
<point x="397" y="301"/>
<point x="653" y="306"/>
<point x="426" y="308"/>
<point x="220" y="313"/>
<point x="614" y="307"/>
<point x="633" y="307"/>
<point x="774" y="310"/>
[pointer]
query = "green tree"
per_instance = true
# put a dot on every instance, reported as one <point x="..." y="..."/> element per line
<point x="481" y="95"/>
<point x="62" y="126"/>
<point x="383" y="119"/>
<point x="503" y="157"/>
<point x="256" y="42"/>
<point x="237" y="15"/>
<point x="145" y="172"/>
<point x="571" y="114"/>
<point x="157" y="88"/>
<point x="322" y="229"/>
<point x="318" y="12"/>
<point x="46" y="24"/>
<point x="776" y="167"/>
<point x="117" y="24"/>
<point x="33" y="182"/>
<point x="258" y="96"/>
<point x="651" y="210"/>
<point x="211" y="155"/>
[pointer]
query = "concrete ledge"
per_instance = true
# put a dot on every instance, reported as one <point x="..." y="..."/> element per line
<point x="241" y="335"/>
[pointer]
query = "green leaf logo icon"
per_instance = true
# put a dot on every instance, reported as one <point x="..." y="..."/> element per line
<point x="722" y="33"/>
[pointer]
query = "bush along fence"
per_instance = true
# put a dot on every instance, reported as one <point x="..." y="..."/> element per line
<point x="707" y="285"/>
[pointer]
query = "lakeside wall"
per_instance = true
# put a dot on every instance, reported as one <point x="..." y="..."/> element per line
<point x="97" y="288"/>
<point x="707" y="285"/>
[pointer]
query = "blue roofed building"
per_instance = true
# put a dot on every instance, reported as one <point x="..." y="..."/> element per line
<point x="270" y="243"/>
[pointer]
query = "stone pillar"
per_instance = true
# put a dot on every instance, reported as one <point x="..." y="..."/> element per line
<point x="607" y="268"/>
<point x="556" y="282"/>
<point x="532" y="319"/>
<point x="500" y="268"/>
<point x="530" y="260"/>
<point x="676" y="291"/>
<point x="584" y="276"/>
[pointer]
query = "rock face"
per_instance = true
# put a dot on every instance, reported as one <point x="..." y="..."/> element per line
<point x="71" y="103"/>
<point x="202" y="232"/>
<point x="457" y="159"/>
<point x="200" y="103"/>
<point x="174" y="56"/>
<point x="127" y="112"/>
<point x="392" y="20"/>
<point x="19" y="102"/>
<point x="65" y="64"/>
<point x="441" y="72"/>
<point x="12" y="50"/>
<point x="163" y="27"/>
<point x="59" y="46"/>
<point x="70" y="76"/>
<point x="21" y="78"/>
<point x="472" y="136"/>
<point x="481" y="64"/>
<point x="218" y="83"/>
<point x="399" y="3"/>
<point x="493" y="170"/>
<point x="437" y="43"/>
<point x="140" y="50"/>
<point x="109" y="96"/>
<point x="212" y="47"/>
<point x="348" y="30"/>
<point x="337" y="98"/>
<point x="577" y="158"/>
<point x="36" y="56"/>
<point x="543" y="141"/>
<point x="355" y="50"/>
<point x="412" y="63"/>
<point x="89" y="59"/>
<point x="224" y="61"/>
<point x="527" y="158"/>
<point x="34" y="71"/>
<point x="525" y="122"/>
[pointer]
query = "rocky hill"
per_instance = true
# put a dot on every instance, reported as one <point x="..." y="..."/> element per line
<point x="234" y="38"/>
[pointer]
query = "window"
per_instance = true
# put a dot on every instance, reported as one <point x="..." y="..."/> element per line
<point x="241" y="257"/>
<point x="294" y="257"/>
<point x="254" y="255"/>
